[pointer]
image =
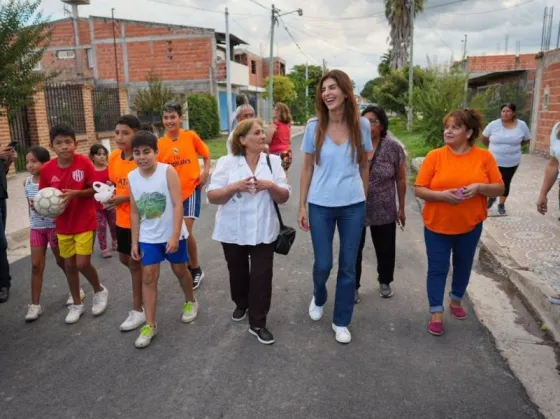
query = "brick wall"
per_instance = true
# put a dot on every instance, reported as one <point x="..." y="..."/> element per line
<point x="175" y="53"/>
<point x="278" y="69"/>
<point x="548" y="88"/>
<point x="501" y="62"/>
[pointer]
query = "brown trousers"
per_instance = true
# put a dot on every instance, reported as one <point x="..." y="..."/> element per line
<point x="251" y="286"/>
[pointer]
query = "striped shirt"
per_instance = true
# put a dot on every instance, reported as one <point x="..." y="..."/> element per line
<point x="36" y="221"/>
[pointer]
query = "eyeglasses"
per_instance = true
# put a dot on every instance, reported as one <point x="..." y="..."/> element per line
<point x="373" y="122"/>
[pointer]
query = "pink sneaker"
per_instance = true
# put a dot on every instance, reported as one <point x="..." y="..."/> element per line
<point x="458" y="312"/>
<point x="106" y="253"/>
<point x="435" y="328"/>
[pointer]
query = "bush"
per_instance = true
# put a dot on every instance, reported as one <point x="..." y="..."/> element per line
<point x="203" y="115"/>
<point x="433" y="101"/>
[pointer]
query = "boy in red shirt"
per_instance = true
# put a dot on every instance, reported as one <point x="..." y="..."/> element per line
<point x="73" y="174"/>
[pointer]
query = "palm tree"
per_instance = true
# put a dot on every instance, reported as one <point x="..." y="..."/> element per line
<point x="398" y="13"/>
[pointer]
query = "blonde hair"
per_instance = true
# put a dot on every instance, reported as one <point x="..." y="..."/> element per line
<point x="241" y="130"/>
<point x="284" y="114"/>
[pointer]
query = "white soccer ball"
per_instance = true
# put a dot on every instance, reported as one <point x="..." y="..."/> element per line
<point x="48" y="202"/>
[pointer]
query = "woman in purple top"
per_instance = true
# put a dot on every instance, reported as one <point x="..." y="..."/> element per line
<point x="387" y="179"/>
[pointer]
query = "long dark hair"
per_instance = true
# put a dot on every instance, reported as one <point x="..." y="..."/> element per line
<point x="351" y="115"/>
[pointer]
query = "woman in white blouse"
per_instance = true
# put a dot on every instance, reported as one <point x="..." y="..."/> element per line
<point x="245" y="187"/>
<point x="550" y="178"/>
<point x="504" y="138"/>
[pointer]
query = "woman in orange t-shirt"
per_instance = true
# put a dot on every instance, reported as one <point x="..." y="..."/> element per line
<point x="456" y="181"/>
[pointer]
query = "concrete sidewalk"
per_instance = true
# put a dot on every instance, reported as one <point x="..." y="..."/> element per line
<point x="17" y="228"/>
<point x="524" y="246"/>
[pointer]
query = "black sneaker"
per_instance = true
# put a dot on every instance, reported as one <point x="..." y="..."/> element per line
<point x="238" y="314"/>
<point x="197" y="276"/>
<point x="501" y="209"/>
<point x="386" y="291"/>
<point x="491" y="202"/>
<point x="4" y="294"/>
<point x="262" y="334"/>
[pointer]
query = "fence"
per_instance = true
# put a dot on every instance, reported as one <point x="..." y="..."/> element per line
<point x="65" y="104"/>
<point x="19" y="131"/>
<point x="106" y="107"/>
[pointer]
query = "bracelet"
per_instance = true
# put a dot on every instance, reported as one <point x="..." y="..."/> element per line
<point x="134" y="244"/>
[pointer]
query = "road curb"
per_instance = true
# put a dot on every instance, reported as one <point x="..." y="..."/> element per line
<point x="533" y="290"/>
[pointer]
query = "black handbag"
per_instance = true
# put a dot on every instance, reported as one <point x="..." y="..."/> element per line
<point x="287" y="235"/>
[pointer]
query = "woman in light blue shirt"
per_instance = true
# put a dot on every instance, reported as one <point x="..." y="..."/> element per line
<point x="504" y="138"/>
<point x="334" y="178"/>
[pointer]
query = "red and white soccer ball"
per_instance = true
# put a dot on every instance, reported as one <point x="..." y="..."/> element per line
<point x="48" y="202"/>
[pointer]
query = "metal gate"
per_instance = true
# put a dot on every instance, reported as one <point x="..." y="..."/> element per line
<point x="19" y="131"/>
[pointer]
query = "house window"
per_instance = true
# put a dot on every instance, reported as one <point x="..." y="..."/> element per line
<point x="90" y="61"/>
<point x="65" y="54"/>
<point x="38" y="66"/>
<point x="253" y="67"/>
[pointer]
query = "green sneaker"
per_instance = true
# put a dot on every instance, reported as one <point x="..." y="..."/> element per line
<point x="190" y="311"/>
<point x="147" y="333"/>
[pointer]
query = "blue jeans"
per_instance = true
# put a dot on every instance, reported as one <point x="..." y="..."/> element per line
<point x="350" y="222"/>
<point x="439" y="248"/>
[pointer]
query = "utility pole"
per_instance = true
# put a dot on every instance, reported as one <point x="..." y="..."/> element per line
<point x="324" y="66"/>
<point x="270" y="65"/>
<point x="306" y="90"/>
<point x="115" y="46"/>
<point x="465" y="71"/>
<point x="78" y="51"/>
<point x="274" y="15"/>
<point x="228" y="73"/>
<point x="411" y="64"/>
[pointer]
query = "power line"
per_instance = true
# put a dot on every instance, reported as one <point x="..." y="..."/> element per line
<point x="438" y="33"/>
<point x="185" y="6"/>
<point x="259" y="4"/>
<point x="495" y="10"/>
<point x="295" y="41"/>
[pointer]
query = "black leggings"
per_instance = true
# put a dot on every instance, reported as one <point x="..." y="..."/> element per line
<point x="507" y="176"/>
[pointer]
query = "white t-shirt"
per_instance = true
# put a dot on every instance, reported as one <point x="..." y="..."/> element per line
<point x="228" y="144"/>
<point x="153" y="200"/>
<point x="247" y="219"/>
<point x="505" y="144"/>
<point x="555" y="143"/>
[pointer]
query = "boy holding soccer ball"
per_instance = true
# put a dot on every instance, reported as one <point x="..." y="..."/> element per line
<point x="73" y="174"/>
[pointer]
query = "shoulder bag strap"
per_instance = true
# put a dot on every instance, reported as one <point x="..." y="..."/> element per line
<point x="275" y="204"/>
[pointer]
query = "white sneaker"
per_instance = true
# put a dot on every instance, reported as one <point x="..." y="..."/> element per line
<point x="190" y="311"/>
<point x="100" y="302"/>
<point x="315" y="312"/>
<point x="147" y="333"/>
<point x="70" y="300"/>
<point x="134" y="320"/>
<point x="74" y="313"/>
<point x="342" y="334"/>
<point x="33" y="312"/>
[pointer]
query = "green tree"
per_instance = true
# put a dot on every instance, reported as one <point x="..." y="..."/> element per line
<point x="302" y="107"/>
<point x="369" y="87"/>
<point x="392" y="91"/>
<point x="152" y="99"/>
<point x="203" y="115"/>
<point x="284" y="89"/>
<point x="24" y="37"/>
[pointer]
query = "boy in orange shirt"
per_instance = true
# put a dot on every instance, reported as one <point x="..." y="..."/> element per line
<point x="121" y="163"/>
<point x="181" y="149"/>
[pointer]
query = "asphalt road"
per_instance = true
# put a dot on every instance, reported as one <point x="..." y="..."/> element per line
<point x="214" y="368"/>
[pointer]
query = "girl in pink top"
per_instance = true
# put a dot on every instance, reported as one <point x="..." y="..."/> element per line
<point x="279" y="135"/>
<point x="106" y="217"/>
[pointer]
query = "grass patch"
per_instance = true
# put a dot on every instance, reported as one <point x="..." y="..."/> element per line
<point x="413" y="142"/>
<point x="217" y="146"/>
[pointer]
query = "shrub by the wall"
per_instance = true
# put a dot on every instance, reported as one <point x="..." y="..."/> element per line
<point x="203" y="115"/>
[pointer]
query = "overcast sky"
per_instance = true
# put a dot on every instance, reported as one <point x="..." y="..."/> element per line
<point x="350" y="35"/>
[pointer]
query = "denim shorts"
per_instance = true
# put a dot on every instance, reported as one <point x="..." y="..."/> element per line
<point x="154" y="253"/>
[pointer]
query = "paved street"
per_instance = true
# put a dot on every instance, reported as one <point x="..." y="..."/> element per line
<point x="213" y="368"/>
